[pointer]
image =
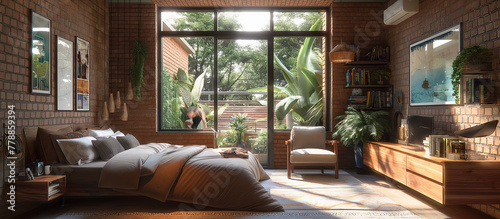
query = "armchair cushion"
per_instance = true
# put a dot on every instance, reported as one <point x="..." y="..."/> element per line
<point x="313" y="155"/>
<point x="308" y="137"/>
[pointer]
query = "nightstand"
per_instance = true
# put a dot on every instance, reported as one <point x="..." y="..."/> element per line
<point x="42" y="188"/>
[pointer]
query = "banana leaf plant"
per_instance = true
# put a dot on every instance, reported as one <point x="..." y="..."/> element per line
<point x="303" y="94"/>
<point x="189" y="88"/>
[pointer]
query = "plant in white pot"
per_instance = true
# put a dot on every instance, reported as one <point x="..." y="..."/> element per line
<point x="356" y="127"/>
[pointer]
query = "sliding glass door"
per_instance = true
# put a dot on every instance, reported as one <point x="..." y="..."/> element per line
<point x="242" y="95"/>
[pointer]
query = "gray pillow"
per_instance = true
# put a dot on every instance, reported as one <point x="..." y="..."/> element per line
<point x="128" y="141"/>
<point x="107" y="148"/>
<point x="78" y="150"/>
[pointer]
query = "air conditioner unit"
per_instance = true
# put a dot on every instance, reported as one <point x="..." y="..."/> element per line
<point x="400" y="11"/>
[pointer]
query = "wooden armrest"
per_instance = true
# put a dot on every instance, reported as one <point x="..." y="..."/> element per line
<point x="335" y="144"/>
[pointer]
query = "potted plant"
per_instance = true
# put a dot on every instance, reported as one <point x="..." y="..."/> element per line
<point x="472" y="58"/>
<point x="356" y="127"/>
<point x="382" y="75"/>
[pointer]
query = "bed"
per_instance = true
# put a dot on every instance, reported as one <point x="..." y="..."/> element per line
<point x="187" y="174"/>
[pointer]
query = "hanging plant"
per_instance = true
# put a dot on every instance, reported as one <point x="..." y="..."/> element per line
<point x="139" y="52"/>
<point x="469" y="55"/>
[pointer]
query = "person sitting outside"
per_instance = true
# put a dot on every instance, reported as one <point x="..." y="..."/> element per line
<point x="195" y="116"/>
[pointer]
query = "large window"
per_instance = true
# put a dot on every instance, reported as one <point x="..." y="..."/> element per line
<point x="242" y="73"/>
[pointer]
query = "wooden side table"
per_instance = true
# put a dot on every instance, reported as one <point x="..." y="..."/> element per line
<point x="42" y="188"/>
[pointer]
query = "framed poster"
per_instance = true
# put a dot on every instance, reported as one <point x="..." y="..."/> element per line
<point x="431" y="67"/>
<point x="82" y="75"/>
<point x="41" y="48"/>
<point x="65" y="76"/>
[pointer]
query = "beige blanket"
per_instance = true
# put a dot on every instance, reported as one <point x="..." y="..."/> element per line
<point x="191" y="174"/>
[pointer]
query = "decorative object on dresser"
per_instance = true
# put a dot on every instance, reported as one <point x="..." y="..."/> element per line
<point x="41" y="54"/>
<point x="83" y="75"/>
<point x="356" y="127"/>
<point x="65" y="77"/>
<point x="430" y="68"/>
<point x="481" y="130"/>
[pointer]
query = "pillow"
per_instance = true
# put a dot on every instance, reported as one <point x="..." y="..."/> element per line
<point x="128" y="141"/>
<point x="116" y="134"/>
<point x="101" y="133"/>
<point x="78" y="150"/>
<point x="45" y="148"/>
<point x="54" y="138"/>
<point x="107" y="148"/>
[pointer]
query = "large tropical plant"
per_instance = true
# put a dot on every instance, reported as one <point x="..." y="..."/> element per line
<point x="302" y="95"/>
<point x="356" y="126"/>
<point x="188" y="88"/>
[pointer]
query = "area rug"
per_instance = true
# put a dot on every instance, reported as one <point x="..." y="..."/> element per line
<point x="308" y="194"/>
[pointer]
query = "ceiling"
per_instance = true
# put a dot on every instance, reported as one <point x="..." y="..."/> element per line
<point x="238" y="3"/>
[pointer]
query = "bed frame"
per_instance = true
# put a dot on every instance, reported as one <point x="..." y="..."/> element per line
<point x="74" y="186"/>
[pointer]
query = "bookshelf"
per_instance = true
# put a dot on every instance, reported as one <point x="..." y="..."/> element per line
<point x="478" y="87"/>
<point x="373" y="96"/>
<point x="367" y="63"/>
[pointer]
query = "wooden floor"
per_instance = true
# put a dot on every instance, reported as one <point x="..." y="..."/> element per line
<point x="411" y="200"/>
<point x="415" y="202"/>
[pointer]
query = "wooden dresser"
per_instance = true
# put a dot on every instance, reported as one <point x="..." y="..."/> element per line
<point x="449" y="182"/>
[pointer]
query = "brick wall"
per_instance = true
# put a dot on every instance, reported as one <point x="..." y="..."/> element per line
<point x="86" y="19"/>
<point x="174" y="56"/>
<point x="480" y="26"/>
<point x="126" y="22"/>
<point x="352" y="23"/>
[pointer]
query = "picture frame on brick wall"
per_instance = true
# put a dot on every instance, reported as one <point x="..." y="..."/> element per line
<point x="83" y="74"/>
<point x="41" y="54"/>
<point x="65" y="77"/>
<point x="431" y="67"/>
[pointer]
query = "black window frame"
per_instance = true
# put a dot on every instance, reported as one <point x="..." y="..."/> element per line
<point x="257" y="35"/>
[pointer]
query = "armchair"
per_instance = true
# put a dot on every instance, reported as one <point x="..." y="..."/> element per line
<point x="307" y="148"/>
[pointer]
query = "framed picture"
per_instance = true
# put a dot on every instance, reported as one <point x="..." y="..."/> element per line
<point x="41" y="54"/>
<point x="431" y="67"/>
<point x="82" y="75"/>
<point x="65" y="76"/>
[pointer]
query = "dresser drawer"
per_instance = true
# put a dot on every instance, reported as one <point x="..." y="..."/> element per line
<point x="425" y="168"/>
<point x="425" y="186"/>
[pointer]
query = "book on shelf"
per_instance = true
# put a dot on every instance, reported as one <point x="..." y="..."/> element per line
<point x="53" y="192"/>
<point x="479" y="90"/>
<point x="379" y="99"/>
<point x="357" y="77"/>
<point x="380" y="53"/>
